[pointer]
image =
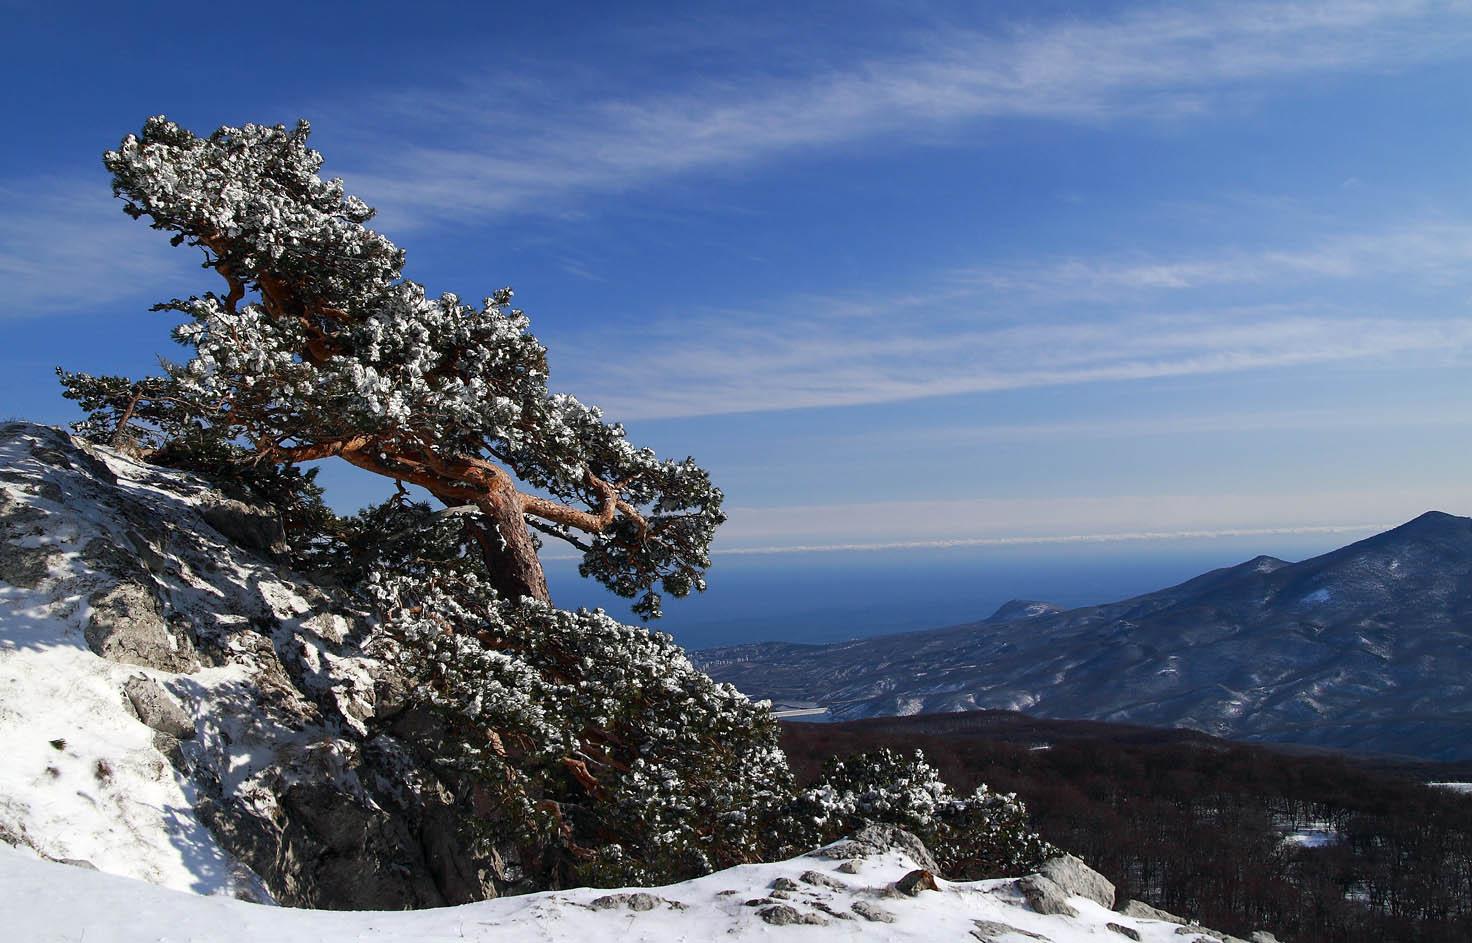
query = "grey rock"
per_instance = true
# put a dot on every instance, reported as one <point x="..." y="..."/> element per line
<point x="1142" y="910"/>
<point x="82" y="863"/>
<point x="25" y="567"/>
<point x="337" y="816"/>
<point x="1209" y="934"/>
<point x="1044" y="896"/>
<point x="1261" y="936"/>
<point x="878" y="839"/>
<point x="17" y="518"/>
<point x="785" y="884"/>
<point x="830" y="911"/>
<point x="822" y="880"/>
<point x="992" y="931"/>
<point x="915" y="882"/>
<point x="852" y="866"/>
<point x="128" y="564"/>
<point x="758" y="902"/>
<point x="250" y="526"/>
<point x="158" y="709"/>
<point x="127" y="626"/>
<point x="1123" y="930"/>
<point x="872" y="912"/>
<point x="170" y="747"/>
<point x="636" y="901"/>
<point x="1077" y="878"/>
<point x="784" y="915"/>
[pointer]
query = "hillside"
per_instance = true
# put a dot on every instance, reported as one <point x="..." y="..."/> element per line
<point x="178" y="707"/>
<point x="1364" y="648"/>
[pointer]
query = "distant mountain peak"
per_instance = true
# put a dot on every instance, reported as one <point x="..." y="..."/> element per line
<point x="1265" y="564"/>
<point x="1023" y="609"/>
<point x="1365" y="647"/>
<point x="1434" y="522"/>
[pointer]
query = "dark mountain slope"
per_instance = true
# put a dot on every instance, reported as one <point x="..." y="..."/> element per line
<point x="1368" y="647"/>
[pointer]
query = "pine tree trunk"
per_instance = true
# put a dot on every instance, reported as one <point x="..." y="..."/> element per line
<point x="510" y="551"/>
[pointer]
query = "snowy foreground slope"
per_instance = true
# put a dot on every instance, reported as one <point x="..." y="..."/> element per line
<point x="44" y="902"/>
<point x="184" y="742"/>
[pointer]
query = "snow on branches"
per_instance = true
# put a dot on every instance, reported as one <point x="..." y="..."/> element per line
<point x="319" y="347"/>
<point x="599" y="744"/>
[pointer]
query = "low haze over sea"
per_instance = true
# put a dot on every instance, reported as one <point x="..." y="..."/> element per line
<point x="837" y="595"/>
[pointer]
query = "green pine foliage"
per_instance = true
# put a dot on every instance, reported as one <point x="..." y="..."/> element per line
<point x="596" y="744"/>
<point x="984" y="835"/>
<point x="596" y="748"/>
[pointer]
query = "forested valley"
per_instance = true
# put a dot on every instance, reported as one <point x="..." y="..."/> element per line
<point x="1318" y="847"/>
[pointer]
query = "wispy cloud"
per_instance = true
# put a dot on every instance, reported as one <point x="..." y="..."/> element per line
<point x="1001" y="521"/>
<point x="1431" y="250"/>
<point x="65" y="247"/>
<point x="725" y="370"/>
<point x="1052" y="324"/>
<point x="1155" y="62"/>
<point x="1060" y="539"/>
<point x="1125" y="537"/>
<point x="1114" y="427"/>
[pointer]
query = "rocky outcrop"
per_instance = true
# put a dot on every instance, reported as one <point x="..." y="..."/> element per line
<point x="294" y="745"/>
<point x="1077" y="878"/>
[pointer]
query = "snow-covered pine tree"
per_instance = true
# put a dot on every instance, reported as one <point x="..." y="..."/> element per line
<point x="319" y="347"/>
<point x="596" y="748"/>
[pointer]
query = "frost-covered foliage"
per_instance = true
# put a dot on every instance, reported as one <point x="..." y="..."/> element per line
<point x="319" y="347"/>
<point x="598" y="745"/>
<point x="982" y="835"/>
<point x="595" y="748"/>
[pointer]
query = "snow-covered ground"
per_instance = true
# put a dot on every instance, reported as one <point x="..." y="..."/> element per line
<point x="1454" y="787"/>
<point x="1312" y="836"/>
<point x="43" y="902"/>
<point x="84" y="779"/>
<point x="80" y="776"/>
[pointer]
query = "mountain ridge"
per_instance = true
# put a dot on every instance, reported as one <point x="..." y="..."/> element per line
<point x="1361" y="648"/>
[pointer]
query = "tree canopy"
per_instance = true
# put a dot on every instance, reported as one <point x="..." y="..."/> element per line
<point x="319" y="347"/>
<point x="596" y="749"/>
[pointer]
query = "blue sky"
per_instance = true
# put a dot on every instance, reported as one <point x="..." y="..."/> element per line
<point x="902" y="275"/>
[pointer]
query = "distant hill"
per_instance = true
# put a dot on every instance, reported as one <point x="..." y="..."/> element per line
<point x="1366" y="648"/>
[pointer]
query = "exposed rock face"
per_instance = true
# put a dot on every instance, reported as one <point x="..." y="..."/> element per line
<point x="1075" y="877"/>
<point x="877" y="839"/>
<point x="1044" y="896"/>
<point x="1136" y="908"/>
<point x="295" y="745"/>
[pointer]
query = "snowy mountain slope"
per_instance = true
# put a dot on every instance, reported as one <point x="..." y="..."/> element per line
<point x="42" y="902"/>
<point x="1368" y="647"/>
<point x="176" y="707"/>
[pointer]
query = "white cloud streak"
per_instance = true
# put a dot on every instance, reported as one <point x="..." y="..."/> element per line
<point x="1054" y="324"/>
<point x="65" y="246"/>
<point x="1432" y="250"/>
<point x="1125" y="537"/>
<point x="1159" y="61"/>
<point x="719" y="370"/>
<point x="1042" y="520"/>
<point x="1057" y="540"/>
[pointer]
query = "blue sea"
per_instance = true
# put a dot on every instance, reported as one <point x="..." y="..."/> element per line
<point x="833" y="596"/>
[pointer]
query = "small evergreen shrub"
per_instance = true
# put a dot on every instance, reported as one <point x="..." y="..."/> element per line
<point x="983" y="835"/>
